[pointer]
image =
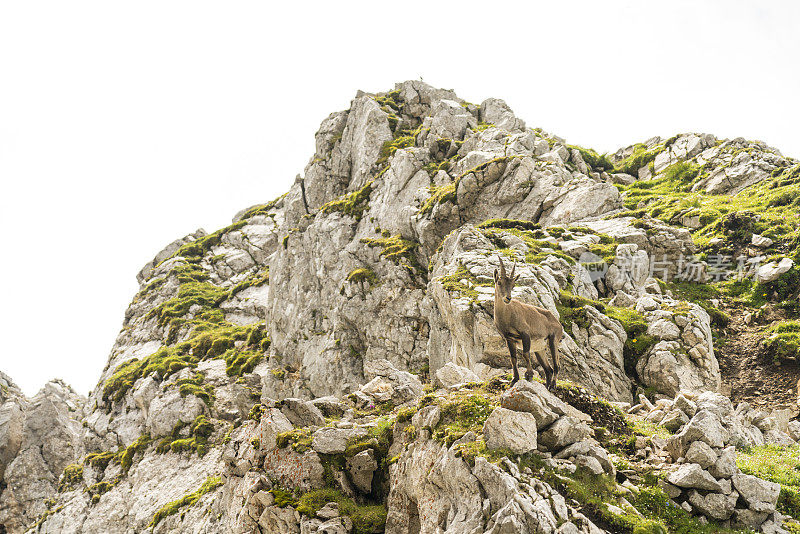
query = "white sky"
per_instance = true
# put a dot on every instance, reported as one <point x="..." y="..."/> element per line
<point x="124" y="125"/>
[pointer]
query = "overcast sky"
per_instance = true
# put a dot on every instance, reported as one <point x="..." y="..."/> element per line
<point x="125" y="125"/>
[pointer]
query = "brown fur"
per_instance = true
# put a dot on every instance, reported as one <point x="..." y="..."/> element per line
<point x="519" y="321"/>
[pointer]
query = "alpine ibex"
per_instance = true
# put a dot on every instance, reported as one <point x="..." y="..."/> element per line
<point x="519" y="321"/>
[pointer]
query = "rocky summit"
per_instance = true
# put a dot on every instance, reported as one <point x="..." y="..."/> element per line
<point x="328" y="363"/>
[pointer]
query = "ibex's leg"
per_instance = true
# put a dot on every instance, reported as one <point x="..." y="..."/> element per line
<point x="553" y="342"/>
<point x="512" y="350"/>
<point x="548" y="371"/>
<point x="526" y="355"/>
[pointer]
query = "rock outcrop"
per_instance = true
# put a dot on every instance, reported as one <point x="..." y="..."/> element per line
<point x="328" y="362"/>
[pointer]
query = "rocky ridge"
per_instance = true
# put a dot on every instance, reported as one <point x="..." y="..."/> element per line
<point x="328" y="362"/>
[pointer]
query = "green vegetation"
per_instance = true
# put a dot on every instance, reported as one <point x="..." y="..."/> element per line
<point x="461" y="414"/>
<point x="510" y="223"/>
<point x="363" y="275"/>
<point x="299" y="439"/>
<point x="197" y="441"/>
<point x="262" y="209"/>
<point x="127" y="454"/>
<point x="464" y="282"/>
<point x="254" y="280"/>
<point x="594" y="160"/>
<point x="783" y="340"/>
<point x="104" y="486"/>
<point x="654" y="512"/>
<point x="73" y="475"/>
<point x="640" y="157"/>
<point x="390" y="147"/>
<point x="538" y="249"/>
<point x="195" y="386"/>
<point x="211" y="338"/>
<point x="353" y="204"/>
<point x="173" y="507"/>
<point x="638" y="341"/>
<point x="398" y="250"/>
<point x="700" y="294"/>
<point x="366" y="518"/>
<point x="776" y="464"/>
<point x="572" y="309"/>
<point x="100" y="460"/>
<point x="768" y="208"/>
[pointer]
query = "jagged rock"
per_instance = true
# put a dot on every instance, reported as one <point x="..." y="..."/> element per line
<point x="329" y="406"/>
<point x="295" y="470"/>
<point x="564" y="432"/>
<point x="674" y="420"/>
<point x="749" y="518"/>
<point x="702" y="454"/>
<point x="361" y="467"/>
<point x="302" y="413"/>
<point x="693" y="476"/>
<point x="344" y="289"/>
<point x="463" y="332"/>
<point x="168" y="409"/>
<point x="725" y="466"/>
<point x="522" y="398"/>
<point x="761" y="241"/>
<point x="760" y="495"/>
<point x="427" y="417"/>
<point x="507" y="429"/>
<point x="334" y="440"/>
<point x="769" y="272"/>
<point x="685" y="405"/>
<point x="704" y="426"/>
<point x="404" y="386"/>
<point x="273" y="422"/>
<point x="451" y="374"/>
<point x="713" y="505"/>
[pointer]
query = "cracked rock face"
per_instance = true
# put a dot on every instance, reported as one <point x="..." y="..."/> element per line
<point x="323" y="341"/>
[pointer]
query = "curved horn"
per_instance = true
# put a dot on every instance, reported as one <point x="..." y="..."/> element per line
<point x="513" y="268"/>
<point x="502" y="267"/>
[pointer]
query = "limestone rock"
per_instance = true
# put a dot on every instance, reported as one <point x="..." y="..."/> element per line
<point x="334" y="440"/>
<point x="566" y="431"/>
<point x="361" y="467"/>
<point x="507" y="429"/>
<point x="451" y="374"/>
<point x="760" y="495"/>
<point x="693" y="476"/>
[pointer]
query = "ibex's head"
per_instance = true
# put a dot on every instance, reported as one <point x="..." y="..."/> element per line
<point x="503" y="284"/>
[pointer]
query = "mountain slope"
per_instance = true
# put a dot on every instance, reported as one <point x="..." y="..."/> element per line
<point x="336" y="345"/>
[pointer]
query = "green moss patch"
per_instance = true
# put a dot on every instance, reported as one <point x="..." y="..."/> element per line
<point x="209" y="340"/>
<point x="641" y="157"/>
<point x="783" y="340"/>
<point x="263" y="209"/>
<point x="197" y="441"/>
<point x="366" y="518"/>
<point x="186" y="501"/>
<point x="595" y="161"/>
<point x="353" y="204"/>
<point x="638" y="341"/>
<point x="398" y="250"/>
<point x="362" y="276"/>
<point x="461" y="414"/>
<point x="510" y="223"/>
<point x="299" y="439"/>
<point x="72" y="476"/>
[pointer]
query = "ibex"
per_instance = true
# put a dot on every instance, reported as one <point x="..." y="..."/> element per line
<point x="519" y="321"/>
